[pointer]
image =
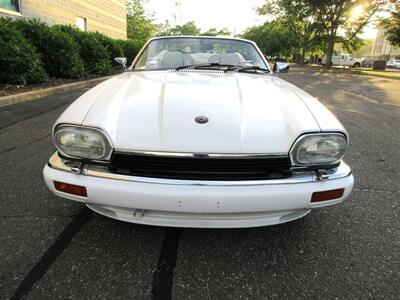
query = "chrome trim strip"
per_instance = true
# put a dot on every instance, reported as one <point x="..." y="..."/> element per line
<point x="103" y="172"/>
<point x="58" y="163"/>
<point x="202" y="155"/>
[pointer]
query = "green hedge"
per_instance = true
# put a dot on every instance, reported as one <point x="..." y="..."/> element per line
<point x="19" y="61"/>
<point x="113" y="47"/>
<point x="59" y="50"/>
<point x="92" y="51"/>
<point x="30" y="49"/>
<point x="130" y="48"/>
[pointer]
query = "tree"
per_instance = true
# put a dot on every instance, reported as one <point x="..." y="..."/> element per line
<point x="189" y="28"/>
<point x="297" y="18"/>
<point x="211" y="32"/>
<point x="338" y="24"/>
<point x="273" y="38"/>
<point x="140" y="25"/>
<point x="214" y="32"/>
<point x="224" y="31"/>
<point x="362" y="48"/>
<point x="392" y="25"/>
<point x="163" y="28"/>
<point x="324" y="22"/>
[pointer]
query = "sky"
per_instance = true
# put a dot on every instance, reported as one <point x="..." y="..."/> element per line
<point x="236" y="15"/>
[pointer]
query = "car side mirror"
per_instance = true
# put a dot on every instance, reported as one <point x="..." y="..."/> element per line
<point x="122" y="61"/>
<point x="281" y="67"/>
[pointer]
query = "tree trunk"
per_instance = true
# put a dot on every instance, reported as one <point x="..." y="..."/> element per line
<point x="329" y="53"/>
<point x="303" y="54"/>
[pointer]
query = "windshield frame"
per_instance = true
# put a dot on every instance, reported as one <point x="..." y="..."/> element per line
<point x="253" y="44"/>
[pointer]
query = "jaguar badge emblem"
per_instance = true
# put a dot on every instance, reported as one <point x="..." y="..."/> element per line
<point x="201" y="119"/>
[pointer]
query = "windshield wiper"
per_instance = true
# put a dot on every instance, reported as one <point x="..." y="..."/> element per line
<point x="215" y="66"/>
<point x="253" y="69"/>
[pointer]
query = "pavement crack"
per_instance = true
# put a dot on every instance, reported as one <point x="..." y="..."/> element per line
<point x="52" y="253"/>
<point x="26" y="144"/>
<point x="164" y="274"/>
<point x="32" y="116"/>
<point x="8" y="150"/>
<point x="38" y="139"/>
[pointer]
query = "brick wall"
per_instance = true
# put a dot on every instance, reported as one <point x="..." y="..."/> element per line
<point x="105" y="16"/>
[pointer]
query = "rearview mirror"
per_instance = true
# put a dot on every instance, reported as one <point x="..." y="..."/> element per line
<point x="281" y="67"/>
<point x="122" y="61"/>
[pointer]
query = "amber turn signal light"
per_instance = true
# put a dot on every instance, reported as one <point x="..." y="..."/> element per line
<point x="327" y="195"/>
<point x="70" y="188"/>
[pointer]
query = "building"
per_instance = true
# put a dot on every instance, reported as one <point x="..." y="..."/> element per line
<point x="105" y="16"/>
<point x="382" y="47"/>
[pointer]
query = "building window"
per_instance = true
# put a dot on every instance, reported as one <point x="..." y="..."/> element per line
<point x="80" y="23"/>
<point x="12" y="5"/>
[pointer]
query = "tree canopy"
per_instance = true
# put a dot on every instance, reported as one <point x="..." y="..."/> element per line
<point x="214" y="32"/>
<point x="322" y="23"/>
<point x="392" y="25"/>
<point x="188" y="28"/>
<point x="140" y="26"/>
<point x="338" y="24"/>
<point x="297" y="18"/>
<point x="273" y="38"/>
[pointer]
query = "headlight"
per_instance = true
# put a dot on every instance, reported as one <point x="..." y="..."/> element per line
<point x="82" y="142"/>
<point x="318" y="149"/>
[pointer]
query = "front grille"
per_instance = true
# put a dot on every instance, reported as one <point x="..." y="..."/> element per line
<point x="200" y="168"/>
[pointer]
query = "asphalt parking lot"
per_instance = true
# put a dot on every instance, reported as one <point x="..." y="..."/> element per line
<point x="55" y="249"/>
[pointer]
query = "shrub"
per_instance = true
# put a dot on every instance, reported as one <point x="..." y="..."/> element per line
<point x="131" y="49"/>
<point x="114" y="49"/>
<point x="93" y="53"/>
<point x="19" y="61"/>
<point x="59" y="51"/>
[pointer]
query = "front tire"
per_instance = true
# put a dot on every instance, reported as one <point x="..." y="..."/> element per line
<point x="356" y="65"/>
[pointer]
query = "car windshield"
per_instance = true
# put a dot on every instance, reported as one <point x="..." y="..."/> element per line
<point x="172" y="53"/>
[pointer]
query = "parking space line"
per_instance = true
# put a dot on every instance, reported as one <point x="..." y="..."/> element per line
<point x="52" y="253"/>
<point x="164" y="274"/>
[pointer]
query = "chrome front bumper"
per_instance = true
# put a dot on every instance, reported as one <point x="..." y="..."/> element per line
<point x="196" y="203"/>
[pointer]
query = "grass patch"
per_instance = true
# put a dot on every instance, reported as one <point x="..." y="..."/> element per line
<point x="335" y="69"/>
<point x="378" y="73"/>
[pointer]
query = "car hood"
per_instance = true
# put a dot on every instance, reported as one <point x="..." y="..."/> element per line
<point x="156" y="111"/>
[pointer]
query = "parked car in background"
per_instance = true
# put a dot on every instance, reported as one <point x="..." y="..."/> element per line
<point x="366" y="62"/>
<point x="175" y="141"/>
<point x="343" y="60"/>
<point x="393" y="64"/>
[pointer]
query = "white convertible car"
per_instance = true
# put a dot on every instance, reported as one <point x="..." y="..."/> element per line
<point x="199" y="132"/>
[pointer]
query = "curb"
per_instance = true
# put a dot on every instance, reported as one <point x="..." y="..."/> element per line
<point x="36" y="94"/>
